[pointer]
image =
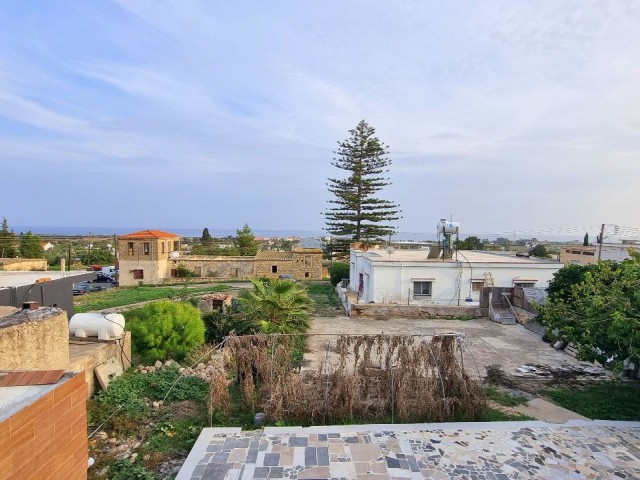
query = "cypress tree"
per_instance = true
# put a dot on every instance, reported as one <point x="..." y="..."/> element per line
<point x="206" y="238"/>
<point x="585" y="242"/>
<point x="356" y="212"/>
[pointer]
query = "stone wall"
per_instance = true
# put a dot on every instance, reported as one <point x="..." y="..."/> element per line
<point x="23" y="264"/>
<point x="388" y="310"/>
<point x="47" y="438"/>
<point x="34" y="340"/>
<point x="224" y="268"/>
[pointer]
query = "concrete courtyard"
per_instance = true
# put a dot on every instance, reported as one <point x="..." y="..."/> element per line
<point x="486" y="342"/>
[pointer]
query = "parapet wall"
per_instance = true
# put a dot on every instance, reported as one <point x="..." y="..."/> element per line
<point x="389" y="310"/>
<point x="34" y="340"/>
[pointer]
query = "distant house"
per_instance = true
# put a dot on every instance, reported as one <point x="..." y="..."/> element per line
<point x="587" y="255"/>
<point x="46" y="246"/>
<point x="410" y="277"/>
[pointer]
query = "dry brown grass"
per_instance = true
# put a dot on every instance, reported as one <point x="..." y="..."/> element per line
<point x="368" y="378"/>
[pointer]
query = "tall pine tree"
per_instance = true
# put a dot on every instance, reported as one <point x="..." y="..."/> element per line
<point x="356" y="212"/>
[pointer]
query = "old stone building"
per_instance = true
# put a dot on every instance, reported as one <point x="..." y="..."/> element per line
<point x="153" y="257"/>
<point x="302" y="263"/>
<point x="144" y="256"/>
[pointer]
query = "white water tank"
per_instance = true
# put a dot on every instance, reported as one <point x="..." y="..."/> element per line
<point x="446" y="226"/>
<point x="98" y="325"/>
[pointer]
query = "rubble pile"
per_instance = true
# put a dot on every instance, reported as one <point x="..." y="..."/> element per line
<point x="581" y="369"/>
<point x="202" y="370"/>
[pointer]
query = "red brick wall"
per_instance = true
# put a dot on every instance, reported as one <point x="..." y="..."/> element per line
<point x="48" y="439"/>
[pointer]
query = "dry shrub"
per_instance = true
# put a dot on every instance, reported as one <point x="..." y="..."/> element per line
<point x="219" y="397"/>
<point x="368" y="378"/>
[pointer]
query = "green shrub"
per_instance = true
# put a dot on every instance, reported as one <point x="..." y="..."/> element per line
<point x="338" y="271"/>
<point x="185" y="272"/>
<point x="125" y="470"/>
<point x="164" y="330"/>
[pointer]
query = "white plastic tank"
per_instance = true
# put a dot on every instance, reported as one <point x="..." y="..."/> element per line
<point x="446" y="226"/>
<point x="98" y="325"/>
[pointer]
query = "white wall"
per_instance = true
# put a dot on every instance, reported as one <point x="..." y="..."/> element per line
<point x="392" y="282"/>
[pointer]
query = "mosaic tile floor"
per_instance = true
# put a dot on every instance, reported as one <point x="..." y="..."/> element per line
<point x="535" y="450"/>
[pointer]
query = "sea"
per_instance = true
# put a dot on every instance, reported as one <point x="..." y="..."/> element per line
<point x="63" y="231"/>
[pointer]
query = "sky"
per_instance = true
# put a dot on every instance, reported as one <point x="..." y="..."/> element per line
<point x="156" y="114"/>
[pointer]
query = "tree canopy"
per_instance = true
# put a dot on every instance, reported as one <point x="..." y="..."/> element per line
<point x="356" y="212"/>
<point x="597" y="307"/>
<point x="470" y="243"/>
<point x="245" y="241"/>
<point x="206" y="238"/>
<point x="539" y="251"/>
<point x="7" y="241"/>
<point x="30" y="246"/>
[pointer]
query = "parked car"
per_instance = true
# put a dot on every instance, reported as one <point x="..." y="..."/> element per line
<point x="104" y="278"/>
<point x="84" y="288"/>
<point x="286" y="276"/>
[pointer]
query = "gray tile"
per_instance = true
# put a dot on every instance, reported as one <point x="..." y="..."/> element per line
<point x="215" y="471"/>
<point x="271" y="459"/>
<point x="323" y="456"/>
<point x="310" y="459"/>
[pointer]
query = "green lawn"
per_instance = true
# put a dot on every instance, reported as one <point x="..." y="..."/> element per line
<point x="327" y="303"/>
<point x="503" y="398"/>
<point x="600" y="401"/>
<point x="119" y="296"/>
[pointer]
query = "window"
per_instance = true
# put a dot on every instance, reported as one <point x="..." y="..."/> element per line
<point x="174" y="272"/>
<point x="130" y="248"/>
<point x="477" y="285"/>
<point x="274" y="268"/>
<point x="162" y="243"/>
<point x="145" y="248"/>
<point x="591" y="254"/>
<point x="306" y="274"/>
<point x="422" y="289"/>
<point x="524" y="284"/>
<point x="176" y="246"/>
<point x="138" y="274"/>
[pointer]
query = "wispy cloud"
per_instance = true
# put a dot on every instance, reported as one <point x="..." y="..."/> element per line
<point x="488" y="108"/>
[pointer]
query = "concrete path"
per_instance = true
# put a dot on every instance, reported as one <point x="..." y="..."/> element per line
<point x="480" y="451"/>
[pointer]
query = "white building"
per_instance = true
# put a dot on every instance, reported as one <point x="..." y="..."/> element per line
<point x="409" y="277"/>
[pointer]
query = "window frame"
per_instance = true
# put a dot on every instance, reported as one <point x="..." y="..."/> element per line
<point x="422" y="283"/>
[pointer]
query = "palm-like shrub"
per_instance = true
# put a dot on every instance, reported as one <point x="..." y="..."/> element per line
<point x="275" y="306"/>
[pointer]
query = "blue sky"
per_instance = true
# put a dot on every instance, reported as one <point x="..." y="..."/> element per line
<point x="506" y="115"/>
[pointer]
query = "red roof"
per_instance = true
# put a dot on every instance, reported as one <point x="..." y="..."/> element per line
<point x="148" y="234"/>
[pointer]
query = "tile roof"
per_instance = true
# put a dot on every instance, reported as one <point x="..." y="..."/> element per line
<point x="148" y="234"/>
<point x="274" y="255"/>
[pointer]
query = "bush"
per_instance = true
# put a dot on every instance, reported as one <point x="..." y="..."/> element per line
<point x="164" y="330"/>
<point x="125" y="470"/>
<point x="338" y="271"/>
<point x="219" y="325"/>
<point x="185" y="272"/>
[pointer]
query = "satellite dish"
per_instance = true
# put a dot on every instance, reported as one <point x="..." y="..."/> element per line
<point x="390" y="250"/>
<point x="174" y="255"/>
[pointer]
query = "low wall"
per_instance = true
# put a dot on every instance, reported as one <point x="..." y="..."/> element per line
<point x="46" y="437"/>
<point x="414" y="311"/>
<point x="24" y="264"/>
<point x="34" y="340"/>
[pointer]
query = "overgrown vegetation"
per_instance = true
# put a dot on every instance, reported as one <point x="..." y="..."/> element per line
<point x="325" y="298"/>
<point x="165" y="330"/>
<point x="504" y="398"/>
<point x="116" y="297"/>
<point x="601" y="401"/>
<point x="414" y="380"/>
<point x="156" y="434"/>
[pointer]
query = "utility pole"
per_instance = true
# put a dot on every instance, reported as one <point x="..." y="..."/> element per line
<point x="601" y="239"/>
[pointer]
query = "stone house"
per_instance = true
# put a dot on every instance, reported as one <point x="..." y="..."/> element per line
<point x="302" y="263"/>
<point x="144" y="256"/>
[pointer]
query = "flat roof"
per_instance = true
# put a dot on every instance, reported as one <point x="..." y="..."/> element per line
<point x="470" y="256"/>
<point x="10" y="278"/>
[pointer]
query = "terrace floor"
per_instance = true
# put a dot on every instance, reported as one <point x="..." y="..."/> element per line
<point x="497" y="451"/>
